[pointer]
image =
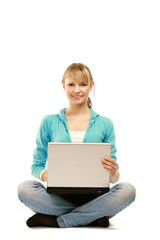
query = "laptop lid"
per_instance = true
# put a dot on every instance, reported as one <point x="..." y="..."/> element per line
<point x="75" y="168"/>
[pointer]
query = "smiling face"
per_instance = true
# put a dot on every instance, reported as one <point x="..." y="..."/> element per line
<point x="77" y="91"/>
<point x="77" y="82"/>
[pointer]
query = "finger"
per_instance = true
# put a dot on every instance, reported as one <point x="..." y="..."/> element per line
<point x="108" y="159"/>
<point x="110" y="168"/>
<point x="111" y="172"/>
<point x="110" y="164"/>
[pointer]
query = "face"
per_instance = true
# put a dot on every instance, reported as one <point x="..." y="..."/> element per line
<point x="77" y="92"/>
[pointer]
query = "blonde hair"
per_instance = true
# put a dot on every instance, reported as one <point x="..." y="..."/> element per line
<point x="78" y="72"/>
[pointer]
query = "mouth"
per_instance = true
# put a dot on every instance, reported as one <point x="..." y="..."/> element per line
<point x="76" y="97"/>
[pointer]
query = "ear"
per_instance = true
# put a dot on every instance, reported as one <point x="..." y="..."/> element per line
<point x="63" y="85"/>
<point x="91" y="86"/>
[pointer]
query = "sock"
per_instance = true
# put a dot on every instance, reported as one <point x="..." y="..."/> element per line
<point x="101" y="222"/>
<point x="39" y="220"/>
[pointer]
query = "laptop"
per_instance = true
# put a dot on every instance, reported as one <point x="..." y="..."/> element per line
<point x="76" y="168"/>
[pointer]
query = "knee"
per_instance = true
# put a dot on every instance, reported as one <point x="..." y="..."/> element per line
<point x="129" y="190"/>
<point x="24" y="189"/>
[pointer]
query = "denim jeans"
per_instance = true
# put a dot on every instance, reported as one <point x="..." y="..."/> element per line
<point x="71" y="212"/>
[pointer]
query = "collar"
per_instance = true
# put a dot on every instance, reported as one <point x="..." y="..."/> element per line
<point x="62" y="115"/>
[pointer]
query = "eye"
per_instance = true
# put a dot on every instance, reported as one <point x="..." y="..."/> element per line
<point x="71" y="84"/>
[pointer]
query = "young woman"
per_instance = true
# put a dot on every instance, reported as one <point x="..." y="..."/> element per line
<point x="76" y="123"/>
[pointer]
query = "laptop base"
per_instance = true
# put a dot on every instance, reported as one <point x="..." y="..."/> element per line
<point x="76" y="190"/>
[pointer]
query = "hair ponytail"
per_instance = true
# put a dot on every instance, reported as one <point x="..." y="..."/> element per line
<point x="89" y="102"/>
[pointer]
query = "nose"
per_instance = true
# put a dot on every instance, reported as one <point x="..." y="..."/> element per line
<point x="76" y="89"/>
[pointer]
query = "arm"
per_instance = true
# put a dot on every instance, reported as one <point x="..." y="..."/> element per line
<point x="109" y="163"/>
<point x="40" y="153"/>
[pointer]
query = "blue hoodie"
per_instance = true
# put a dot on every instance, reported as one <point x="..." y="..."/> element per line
<point x="53" y="128"/>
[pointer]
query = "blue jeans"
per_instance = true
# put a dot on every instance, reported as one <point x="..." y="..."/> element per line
<point x="76" y="213"/>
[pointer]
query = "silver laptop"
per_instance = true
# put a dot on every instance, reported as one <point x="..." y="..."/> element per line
<point x="76" y="168"/>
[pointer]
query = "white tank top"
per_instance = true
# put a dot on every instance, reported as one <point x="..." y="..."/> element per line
<point x="77" y="136"/>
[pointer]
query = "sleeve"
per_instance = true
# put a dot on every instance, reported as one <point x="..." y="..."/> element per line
<point x="40" y="152"/>
<point x="110" y="138"/>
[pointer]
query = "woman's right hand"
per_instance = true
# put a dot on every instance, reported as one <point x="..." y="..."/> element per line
<point x="44" y="176"/>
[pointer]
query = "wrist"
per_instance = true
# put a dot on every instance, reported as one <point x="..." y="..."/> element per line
<point x="115" y="178"/>
<point x="42" y="175"/>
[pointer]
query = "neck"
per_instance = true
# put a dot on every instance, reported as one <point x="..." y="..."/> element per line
<point x="77" y="109"/>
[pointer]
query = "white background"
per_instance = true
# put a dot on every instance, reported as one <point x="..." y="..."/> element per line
<point x="119" y="42"/>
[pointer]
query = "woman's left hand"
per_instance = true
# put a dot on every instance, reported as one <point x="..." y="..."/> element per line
<point x="109" y="165"/>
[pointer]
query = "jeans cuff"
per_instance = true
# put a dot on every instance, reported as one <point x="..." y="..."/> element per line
<point x="61" y="222"/>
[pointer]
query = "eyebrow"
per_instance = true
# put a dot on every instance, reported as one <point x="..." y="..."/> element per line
<point x="79" y="82"/>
